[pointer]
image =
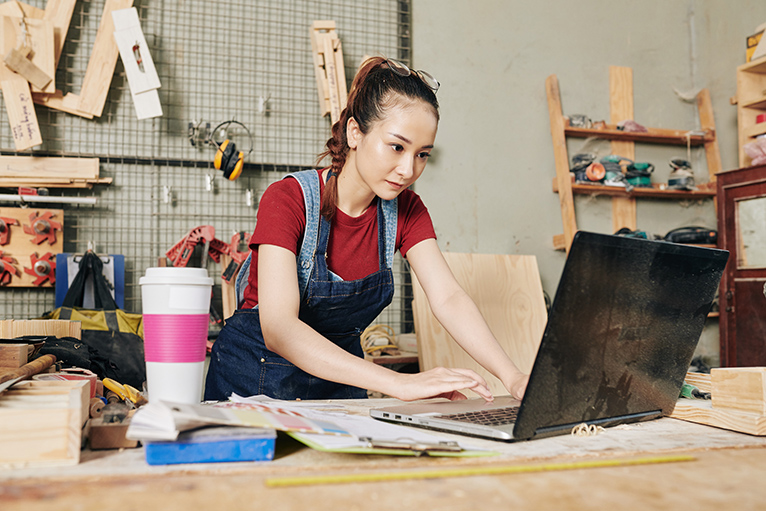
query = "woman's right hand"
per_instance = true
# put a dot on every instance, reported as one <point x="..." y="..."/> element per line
<point x="439" y="382"/>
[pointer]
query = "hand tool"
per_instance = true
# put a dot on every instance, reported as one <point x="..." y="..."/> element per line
<point x="180" y="253"/>
<point x="38" y="365"/>
<point x="130" y="395"/>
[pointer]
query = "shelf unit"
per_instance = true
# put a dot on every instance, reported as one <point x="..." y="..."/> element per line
<point x="623" y="144"/>
<point x="751" y="101"/>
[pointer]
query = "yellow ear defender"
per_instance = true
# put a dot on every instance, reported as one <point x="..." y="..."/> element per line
<point x="227" y="158"/>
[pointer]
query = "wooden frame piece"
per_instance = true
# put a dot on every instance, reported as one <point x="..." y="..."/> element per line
<point x="329" y="68"/>
<point x="90" y="101"/>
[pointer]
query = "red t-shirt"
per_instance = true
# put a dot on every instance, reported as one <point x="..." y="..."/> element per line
<point x="352" y="251"/>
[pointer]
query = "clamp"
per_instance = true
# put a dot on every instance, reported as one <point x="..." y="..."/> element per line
<point x="7" y="269"/>
<point x="5" y="229"/>
<point x="44" y="268"/>
<point x="237" y="257"/>
<point x="42" y="227"/>
<point x="182" y="251"/>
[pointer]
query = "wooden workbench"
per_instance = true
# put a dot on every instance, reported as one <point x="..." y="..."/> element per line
<point x="726" y="473"/>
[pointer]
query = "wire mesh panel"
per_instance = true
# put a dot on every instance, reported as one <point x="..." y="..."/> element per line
<point x="244" y="60"/>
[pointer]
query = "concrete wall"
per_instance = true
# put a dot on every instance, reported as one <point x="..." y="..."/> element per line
<point x="488" y="186"/>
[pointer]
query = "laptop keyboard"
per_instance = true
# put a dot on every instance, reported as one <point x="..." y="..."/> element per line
<point x="497" y="417"/>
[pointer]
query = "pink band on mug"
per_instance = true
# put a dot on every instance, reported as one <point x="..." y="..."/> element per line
<point x="175" y="337"/>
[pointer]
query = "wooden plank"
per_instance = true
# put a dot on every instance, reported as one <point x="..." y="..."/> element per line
<point x="17" y="96"/>
<point x="39" y="43"/>
<point x="654" y="191"/>
<point x="68" y="103"/>
<point x="320" y="28"/>
<point x="561" y="159"/>
<point x="103" y="59"/>
<point x="340" y="72"/>
<point x="13" y="355"/>
<point x="507" y="291"/>
<point x="702" y="412"/>
<point x="652" y="136"/>
<point x="13" y="328"/>
<point x="739" y="388"/>
<point x="699" y="380"/>
<point x="59" y="13"/>
<point x="332" y="77"/>
<point x="707" y="123"/>
<point x="620" y="109"/>
<point x="14" y="8"/>
<point x="48" y="167"/>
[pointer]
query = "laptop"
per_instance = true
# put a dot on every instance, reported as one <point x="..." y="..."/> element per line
<point x="621" y="333"/>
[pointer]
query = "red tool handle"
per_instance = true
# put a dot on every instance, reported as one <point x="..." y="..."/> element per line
<point x="29" y="369"/>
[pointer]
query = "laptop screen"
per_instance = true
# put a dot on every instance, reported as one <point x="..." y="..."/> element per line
<point x="622" y="330"/>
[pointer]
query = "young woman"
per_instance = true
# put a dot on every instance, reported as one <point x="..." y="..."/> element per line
<point x="321" y="262"/>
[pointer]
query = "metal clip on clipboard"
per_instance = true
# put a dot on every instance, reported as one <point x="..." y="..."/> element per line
<point x="409" y="444"/>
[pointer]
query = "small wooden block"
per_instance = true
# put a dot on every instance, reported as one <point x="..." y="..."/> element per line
<point x="739" y="388"/>
<point x="13" y="355"/>
<point x="19" y="63"/>
<point x="109" y="435"/>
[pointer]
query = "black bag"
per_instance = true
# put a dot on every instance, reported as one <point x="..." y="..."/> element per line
<point x="114" y="335"/>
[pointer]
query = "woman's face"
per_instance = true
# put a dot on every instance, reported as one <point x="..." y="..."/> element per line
<point x="393" y="154"/>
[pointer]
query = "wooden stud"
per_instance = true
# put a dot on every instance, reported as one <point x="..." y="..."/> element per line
<point x="707" y="123"/>
<point x="561" y="160"/>
<point x="621" y="108"/>
<point x="59" y="13"/>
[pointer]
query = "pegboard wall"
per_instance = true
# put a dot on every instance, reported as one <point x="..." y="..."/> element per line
<point x="246" y="60"/>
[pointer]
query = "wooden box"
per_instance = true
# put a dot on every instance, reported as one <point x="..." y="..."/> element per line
<point x="41" y="423"/>
<point x="739" y="388"/>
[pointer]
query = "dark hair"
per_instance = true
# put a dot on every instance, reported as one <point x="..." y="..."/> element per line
<point x="372" y="93"/>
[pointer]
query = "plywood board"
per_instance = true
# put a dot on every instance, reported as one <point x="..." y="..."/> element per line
<point x="507" y="291"/>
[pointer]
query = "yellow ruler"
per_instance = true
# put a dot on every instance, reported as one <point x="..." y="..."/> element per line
<point x="275" y="482"/>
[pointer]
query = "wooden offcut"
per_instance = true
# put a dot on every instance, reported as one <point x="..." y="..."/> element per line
<point x="13" y="356"/>
<point x="738" y="400"/>
<point x="17" y="95"/>
<point x="329" y="68"/>
<point x="508" y="292"/>
<point x="91" y="99"/>
<point x="41" y="423"/>
<point x="621" y="109"/>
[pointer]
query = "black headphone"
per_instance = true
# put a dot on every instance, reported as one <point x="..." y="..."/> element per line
<point x="227" y="158"/>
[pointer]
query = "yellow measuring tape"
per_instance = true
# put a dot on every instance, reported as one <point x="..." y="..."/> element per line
<point x="276" y="482"/>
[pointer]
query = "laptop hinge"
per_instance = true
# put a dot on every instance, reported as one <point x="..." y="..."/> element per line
<point x="608" y="422"/>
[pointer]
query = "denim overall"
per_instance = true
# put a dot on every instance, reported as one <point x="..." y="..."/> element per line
<point x="338" y="310"/>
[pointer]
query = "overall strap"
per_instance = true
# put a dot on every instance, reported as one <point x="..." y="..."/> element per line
<point x="390" y="214"/>
<point x="309" y="181"/>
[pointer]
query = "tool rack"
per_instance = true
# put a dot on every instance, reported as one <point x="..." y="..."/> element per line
<point x="623" y="144"/>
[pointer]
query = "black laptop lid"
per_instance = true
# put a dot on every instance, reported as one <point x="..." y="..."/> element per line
<point x="622" y="330"/>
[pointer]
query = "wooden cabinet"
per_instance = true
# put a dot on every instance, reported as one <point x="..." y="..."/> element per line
<point x="741" y="221"/>
<point x="751" y="102"/>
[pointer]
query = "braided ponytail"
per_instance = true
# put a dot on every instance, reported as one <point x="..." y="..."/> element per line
<point x="372" y="92"/>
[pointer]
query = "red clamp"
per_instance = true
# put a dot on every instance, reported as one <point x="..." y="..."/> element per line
<point x="5" y="229"/>
<point x="239" y="239"/>
<point x="7" y="269"/>
<point x="44" y="268"/>
<point x="182" y="251"/>
<point x="42" y="227"/>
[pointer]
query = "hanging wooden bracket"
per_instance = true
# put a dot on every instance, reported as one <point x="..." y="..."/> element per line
<point x="329" y="68"/>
